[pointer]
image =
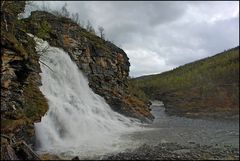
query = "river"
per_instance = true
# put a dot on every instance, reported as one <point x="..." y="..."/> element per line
<point x="81" y="123"/>
<point x="178" y="131"/>
<point x="181" y="131"/>
<point x="175" y="137"/>
<point x="187" y="131"/>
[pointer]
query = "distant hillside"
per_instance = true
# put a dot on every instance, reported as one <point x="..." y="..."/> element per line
<point x="207" y="86"/>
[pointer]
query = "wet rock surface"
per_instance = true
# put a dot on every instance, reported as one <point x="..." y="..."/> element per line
<point x="173" y="151"/>
<point x="105" y="65"/>
<point x="11" y="149"/>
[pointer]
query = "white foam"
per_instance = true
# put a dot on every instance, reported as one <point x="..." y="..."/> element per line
<point x="78" y="122"/>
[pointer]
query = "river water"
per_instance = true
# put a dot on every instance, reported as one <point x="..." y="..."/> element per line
<point x="183" y="131"/>
<point x="80" y="122"/>
<point x="186" y="131"/>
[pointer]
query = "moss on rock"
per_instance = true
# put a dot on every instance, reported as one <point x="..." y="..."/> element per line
<point x="35" y="102"/>
<point x="44" y="30"/>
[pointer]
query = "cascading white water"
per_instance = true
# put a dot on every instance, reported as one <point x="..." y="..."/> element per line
<point x="78" y="122"/>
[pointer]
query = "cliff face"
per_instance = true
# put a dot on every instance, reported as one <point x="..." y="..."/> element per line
<point x="105" y="65"/>
<point x="22" y="103"/>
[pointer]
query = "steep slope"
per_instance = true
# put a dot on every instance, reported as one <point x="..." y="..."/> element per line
<point x="105" y="65"/>
<point x="206" y="87"/>
<point x="23" y="104"/>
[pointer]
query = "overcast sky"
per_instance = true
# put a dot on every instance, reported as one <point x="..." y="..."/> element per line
<point x="159" y="36"/>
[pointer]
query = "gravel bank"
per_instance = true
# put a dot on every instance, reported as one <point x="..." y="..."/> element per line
<point x="173" y="151"/>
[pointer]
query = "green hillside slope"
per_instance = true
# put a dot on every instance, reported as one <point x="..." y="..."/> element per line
<point x="208" y="86"/>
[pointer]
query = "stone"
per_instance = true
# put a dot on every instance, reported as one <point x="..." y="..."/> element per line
<point x="6" y="84"/>
<point x="75" y="158"/>
<point x="25" y="152"/>
<point x="86" y="68"/>
<point x="8" y="152"/>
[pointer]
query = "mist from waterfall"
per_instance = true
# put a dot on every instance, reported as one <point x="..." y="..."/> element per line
<point x="78" y="122"/>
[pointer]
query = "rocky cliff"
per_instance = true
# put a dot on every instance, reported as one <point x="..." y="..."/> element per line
<point x="105" y="65"/>
<point x="22" y="103"/>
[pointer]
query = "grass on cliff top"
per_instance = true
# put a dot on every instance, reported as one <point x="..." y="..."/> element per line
<point x="206" y="74"/>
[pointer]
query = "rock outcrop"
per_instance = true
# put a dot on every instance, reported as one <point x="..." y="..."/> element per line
<point x="22" y="103"/>
<point x="105" y="65"/>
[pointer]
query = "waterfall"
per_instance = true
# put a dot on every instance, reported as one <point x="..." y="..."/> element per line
<point x="78" y="122"/>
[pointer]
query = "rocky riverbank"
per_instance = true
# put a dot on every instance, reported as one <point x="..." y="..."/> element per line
<point x="174" y="151"/>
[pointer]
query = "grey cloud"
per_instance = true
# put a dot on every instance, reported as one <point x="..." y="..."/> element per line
<point x="158" y="36"/>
